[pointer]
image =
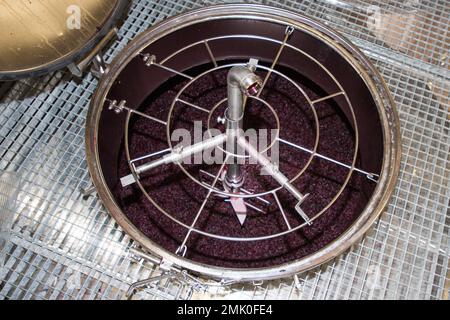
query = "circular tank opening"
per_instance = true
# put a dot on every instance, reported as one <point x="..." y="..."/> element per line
<point x="322" y="118"/>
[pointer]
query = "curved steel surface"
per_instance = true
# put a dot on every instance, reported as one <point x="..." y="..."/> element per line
<point x="37" y="37"/>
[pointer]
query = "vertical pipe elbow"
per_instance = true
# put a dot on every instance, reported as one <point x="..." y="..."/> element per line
<point x="245" y="79"/>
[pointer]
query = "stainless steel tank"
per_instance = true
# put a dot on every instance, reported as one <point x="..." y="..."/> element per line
<point x="171" y="69"/>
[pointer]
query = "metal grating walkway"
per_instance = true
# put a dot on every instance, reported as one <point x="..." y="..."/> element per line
<point x="64" y="247"/>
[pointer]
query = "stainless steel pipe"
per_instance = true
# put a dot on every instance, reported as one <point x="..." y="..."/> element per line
<point x="241" y="81"/>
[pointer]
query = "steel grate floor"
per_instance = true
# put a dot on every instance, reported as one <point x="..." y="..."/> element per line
<point x="65" y="247"/>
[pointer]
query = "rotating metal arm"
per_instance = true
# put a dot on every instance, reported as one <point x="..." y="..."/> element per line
<point x="273" y="171"/>
<point x="176" y="155"/>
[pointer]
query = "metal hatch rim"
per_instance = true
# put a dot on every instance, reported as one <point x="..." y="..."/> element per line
<point x="373" y="80"/>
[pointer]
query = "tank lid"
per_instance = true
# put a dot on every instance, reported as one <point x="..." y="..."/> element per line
<point x="37" y="37"/>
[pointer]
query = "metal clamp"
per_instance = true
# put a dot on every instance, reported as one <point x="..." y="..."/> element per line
<point x="99" y="67"/>
<point x="173" y="274"/>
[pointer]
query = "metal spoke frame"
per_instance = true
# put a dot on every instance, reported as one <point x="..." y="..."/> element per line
<point x="211" y="188"/>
